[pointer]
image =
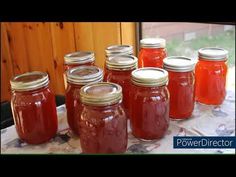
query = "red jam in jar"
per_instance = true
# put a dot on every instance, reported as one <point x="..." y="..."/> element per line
<point x="152" y="52"/>
<point x="149" y="103"/>
<point x="103" y="122"/>
<point x="76" y="78"/>
<point x="75" y="59"/>
<point x="181" y="86"/>
<point x="33" y="107"/>
<point x="210" y="72"/>
<point x="118" y="70"/>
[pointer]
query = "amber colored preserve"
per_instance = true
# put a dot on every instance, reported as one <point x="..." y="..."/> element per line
<point x="152" y="52"/>
<point x="118" y="70"/>
<point x="76" y="78"/>
<point x="33" y="107"/>
<point x="80" y="58"/>
<point x="103" y="123"/>
<point x="181" y="86"/>
<point x="149" y="103"/>
<point x="210" y="71"/>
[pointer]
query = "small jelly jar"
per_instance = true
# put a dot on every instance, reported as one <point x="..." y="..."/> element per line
<point x="210" y="73"/>
<point x="76" y="78"/>
<point x="149" y="103"/>
<point x="103" y="122"/>
<point x="152" y="52"/>
<point x="75" y="59"/>
<point x="33" y="107"/>
<point x="181" y="86"/>
<point x="118" y="70"/>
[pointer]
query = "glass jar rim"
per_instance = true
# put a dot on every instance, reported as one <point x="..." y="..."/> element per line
<point x="153" y="43"/>
<point x="213" y="53"/>
<point x="119" y="50"/>
<point x="178" y="64"/>
<point x="79" y="57"/>
<point x="122" y="62"/>
<point x="83" y="75"/>
<point x="149" y="77"/>
<point x="101" y="94"/>
<point x="29" y="81"/>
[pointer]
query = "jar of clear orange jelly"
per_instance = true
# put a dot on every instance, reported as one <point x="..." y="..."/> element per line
<point x="75" y="59"/>
<point x="103" y="122"/>
<point x="77" y="77"/>
<point x="149" y="103"/>
<point x="118" y="70"/>
<point x="152" y="52"/>
<point x="33" y="107"/>
<point x="210" y="71"/>
<point x="181" y="86"/>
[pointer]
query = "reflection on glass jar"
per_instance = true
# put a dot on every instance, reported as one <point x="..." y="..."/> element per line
<point x="33" y="107"/>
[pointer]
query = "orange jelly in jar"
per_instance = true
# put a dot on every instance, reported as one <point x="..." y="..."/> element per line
<point x="76" y="78"/>
<point x="33" y="107"/>
<point x="181" y="86"/>
<point x="149" y="103"/>
<point x="210" y="71"/>
<point x="118" y="70"/>
<point x="75" y="59"/>
<point x="152" y="52"/>
<point x="103" y="122"/>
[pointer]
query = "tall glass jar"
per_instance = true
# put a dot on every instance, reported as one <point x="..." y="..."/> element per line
<point x="75" y="59"/>
<point x="103" y="122"/>
<point x="76" y="78"/>
<point x="181" y="86"/>
<point x="118" y="70"/>
<point x="211" y="70"/>
<point x="149" y="103"/>
<point x="152" y="52"/>
<point x="33" y="107"/>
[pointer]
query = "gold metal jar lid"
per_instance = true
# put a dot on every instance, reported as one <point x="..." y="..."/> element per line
<point x="101" y="94"/>
<point x="119" y="50"/>
<point x="153" y="43"/>
<point x="213" y="53"/>
<point x="29" y="81"/>
<point x="83" y="75"/>
<point x="122" y="62"/>
<point x="149" y="77"/>
<point x="79" y="57"/>
<point x="178" y="64"/>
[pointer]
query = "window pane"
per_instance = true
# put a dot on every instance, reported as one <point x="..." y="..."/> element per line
<point x="186" y="38"/>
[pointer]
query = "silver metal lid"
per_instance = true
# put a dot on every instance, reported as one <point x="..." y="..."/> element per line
<point x="101" y="94"/>
<point x="178" y="64"/>
<point x="213" y="53"/>
<point x="79" y="57"/>
<point x="149" y="77"/>
<point x="153" y="43"/>
<point x="119" y="50"/>
<point x="29" y="81"/>
<point x="83" y="75"/>
<point x="122" y="62"/>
